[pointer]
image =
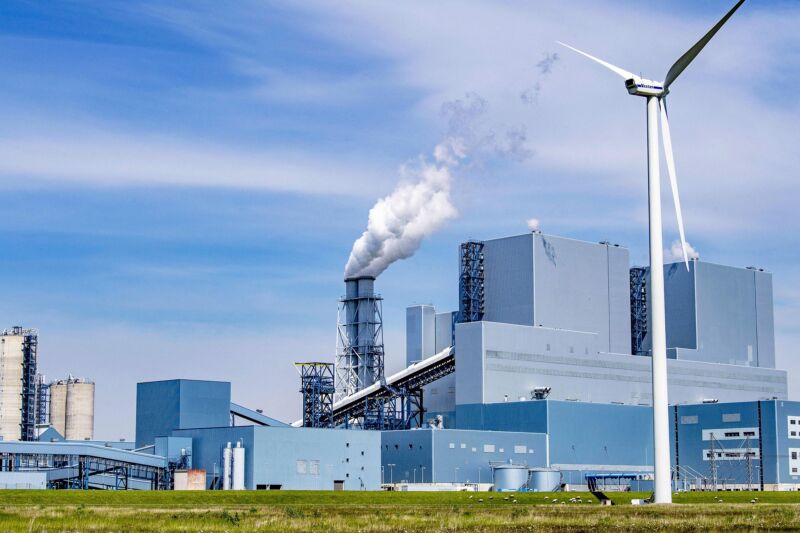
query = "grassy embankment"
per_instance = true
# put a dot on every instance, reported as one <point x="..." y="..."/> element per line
<point x="78" y="511"/>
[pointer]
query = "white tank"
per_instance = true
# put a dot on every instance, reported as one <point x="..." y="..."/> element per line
<point x="11" y="359"/>
<point x="58" y="406"/>
<point x="545" y="480"/>
<point x="237" y="480"/>
<point x="227" y="456"/>
<point x="80" y="410"/>
<point x="510" y="477"/>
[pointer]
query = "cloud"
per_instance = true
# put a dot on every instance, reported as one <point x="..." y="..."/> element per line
<point x="128" y="160"/>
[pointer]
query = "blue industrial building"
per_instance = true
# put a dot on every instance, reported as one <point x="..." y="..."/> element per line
<point x="543" y="366"/>
<point x="194" y="419"/>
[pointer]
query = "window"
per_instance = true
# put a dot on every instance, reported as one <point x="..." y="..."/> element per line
<point x="520" y="449"/>
<point x="301" y="466"/>
<point x="731" y="433"/>
<point x="547" y="347"/>
<point x="794" y="431"/>
<point x="502" y="450"/>
<point x="313" y="468"/>
<point x="794" y="455"/>
<point x="474" y="449"/>
<point x="488" y="448"/>
<point x="362" y="452"/>
<point x="749" y="433"/>
<point x="685" y="420"/>
<point x="452" y="445"/>
<point x="463" y="445"/>
<point x="731" y="417"/>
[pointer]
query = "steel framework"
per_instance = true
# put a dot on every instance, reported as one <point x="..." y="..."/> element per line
<point x="638" y="277"/>
<point x="69" y="471"/>
<point x="359" y="339"/>
<point x="317" y="386"/>
<point x="42" y="399"/>
<point x="471" y="282"/>
<point x="395" y="405"/>
<point x="30" y="344"/>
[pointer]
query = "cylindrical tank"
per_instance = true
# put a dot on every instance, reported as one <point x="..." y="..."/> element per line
<point x="545" y="480"/>
<point x="237" y="480"/>
<point x="510" y="477"/>
<point x="11" y="362"/>
<point x="58" y="406"/>
<point x="80" y="410"/>
<point x="227" y="456"/>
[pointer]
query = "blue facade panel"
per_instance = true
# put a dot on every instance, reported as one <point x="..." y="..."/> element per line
<point x="456" y="456"/>
<point x="292" y="458"/>
<point x="162" y="406"/>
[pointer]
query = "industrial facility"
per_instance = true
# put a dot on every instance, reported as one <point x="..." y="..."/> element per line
<point x="539" y="379"/>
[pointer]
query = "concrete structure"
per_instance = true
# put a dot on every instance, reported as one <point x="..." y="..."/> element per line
<point x="719" y="314"/>
<point x="18" y="362"/>
<point x="11" y="371"/>
<point x="194" y="479"/>
<point x="58" y="406"/>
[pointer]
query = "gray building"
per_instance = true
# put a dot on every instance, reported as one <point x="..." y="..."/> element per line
<point x="719" y="314"/>
<point x="559" y="283"/>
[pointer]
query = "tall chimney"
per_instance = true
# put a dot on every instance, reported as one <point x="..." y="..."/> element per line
<point x="359" y="340"/>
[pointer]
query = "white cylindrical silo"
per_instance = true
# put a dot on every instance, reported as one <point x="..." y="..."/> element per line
<point x="80" y="410"/>
<point x="237" y="480"/>
<point x="227" y="456"/>
<point x="58" y="406"/>
<point x="11" y="362"/>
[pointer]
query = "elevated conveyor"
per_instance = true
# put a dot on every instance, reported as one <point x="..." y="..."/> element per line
<point x="414" y="377"/>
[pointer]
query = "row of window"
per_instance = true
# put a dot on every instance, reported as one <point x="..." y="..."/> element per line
<point x="491" y="448"/>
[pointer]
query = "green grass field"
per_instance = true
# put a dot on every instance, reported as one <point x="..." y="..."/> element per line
<point x="79" y="511"/>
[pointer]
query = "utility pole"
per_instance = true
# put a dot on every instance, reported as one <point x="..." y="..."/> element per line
<point x="749" y="457"/>
<point x="713" y="464"/>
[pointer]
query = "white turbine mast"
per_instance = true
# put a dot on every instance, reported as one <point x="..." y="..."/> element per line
<point x="656" y="94"/>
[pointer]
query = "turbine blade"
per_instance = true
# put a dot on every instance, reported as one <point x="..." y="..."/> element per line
<point x="673" y="179"/>
<point x="689" y="56"/>
<point x="622" y="72"/>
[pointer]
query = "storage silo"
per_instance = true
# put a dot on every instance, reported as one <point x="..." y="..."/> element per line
<point x="80" y="409"/>
<point x="58" y="406"/>
<point x="11" y="370"/>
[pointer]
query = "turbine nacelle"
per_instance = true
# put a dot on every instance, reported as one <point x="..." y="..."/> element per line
<point x="641" y="87"/>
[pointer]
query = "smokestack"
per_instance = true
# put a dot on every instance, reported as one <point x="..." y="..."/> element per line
<point x="359" y="350"/>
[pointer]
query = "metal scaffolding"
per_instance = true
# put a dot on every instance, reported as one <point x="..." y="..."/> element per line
<point x="638" y="278"/>
<point x="396" y="404"/>
<point x="42" y="400"/>
<point x="359" y="339"/>
<point x="470" y="282"/>
<point x="30" y="343"/>
<point x="316" y="384"/>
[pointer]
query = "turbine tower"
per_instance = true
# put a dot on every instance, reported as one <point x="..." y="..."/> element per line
<point x="656" y="94"/>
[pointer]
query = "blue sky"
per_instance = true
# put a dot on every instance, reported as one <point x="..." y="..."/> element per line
<point x="181" y="184"/>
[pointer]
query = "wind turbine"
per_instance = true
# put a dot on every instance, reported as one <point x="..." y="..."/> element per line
<point x="656" y="94"/>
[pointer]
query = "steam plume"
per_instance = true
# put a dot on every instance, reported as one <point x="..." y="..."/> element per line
<point x="675" y="252"/>
<point x="399" y="222"/>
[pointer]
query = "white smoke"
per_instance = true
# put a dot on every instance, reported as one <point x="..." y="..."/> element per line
<point x="419" y="206"/>
<point x="675" y="252"/>
<point x="534" y="224"/>
<point x="399" y="222"/>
